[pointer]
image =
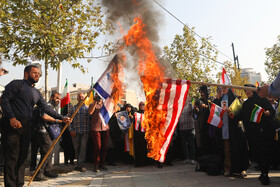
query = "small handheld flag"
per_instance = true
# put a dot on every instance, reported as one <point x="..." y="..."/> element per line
<point x="256" y="114"/>
<point x="215" y="116"/>
<point x="65" y="97"/>
<point x="235" y="106"/>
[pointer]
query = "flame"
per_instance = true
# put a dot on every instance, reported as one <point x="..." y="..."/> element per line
<point x="151" y="75"/>
<point x="118" y="79"/>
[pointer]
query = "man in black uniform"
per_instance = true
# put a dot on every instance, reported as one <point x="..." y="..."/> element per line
<point x="18" y="101"/>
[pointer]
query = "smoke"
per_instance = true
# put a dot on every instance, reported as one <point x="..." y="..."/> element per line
<point x="123" y="12"/>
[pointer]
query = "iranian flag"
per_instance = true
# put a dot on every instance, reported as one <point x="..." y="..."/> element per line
<point x="256" y="114"/>
<point x="65" y="97"/>
<point x="215" y="116"/>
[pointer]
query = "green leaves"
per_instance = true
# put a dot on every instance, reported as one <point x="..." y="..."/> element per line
<point x="52" y="31"/>
<point x="272" y="62"/>
<point x="190" y="58"/>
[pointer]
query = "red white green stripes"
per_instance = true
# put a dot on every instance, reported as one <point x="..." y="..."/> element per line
<point x="65" y="97"/>
<point x="257" y="114"/>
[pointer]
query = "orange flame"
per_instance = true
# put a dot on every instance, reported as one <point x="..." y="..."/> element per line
<point x="151" y="75"/>
<point x="117" y="76"/>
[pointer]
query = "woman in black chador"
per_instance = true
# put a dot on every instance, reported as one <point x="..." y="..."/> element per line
<point x="236" y="155"/>
<point x="260" y="135"/>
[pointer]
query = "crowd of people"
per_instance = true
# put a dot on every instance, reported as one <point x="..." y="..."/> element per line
<point x="228" y="150"/>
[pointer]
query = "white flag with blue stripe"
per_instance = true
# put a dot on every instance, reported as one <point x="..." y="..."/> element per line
<point x="103" y="87"/>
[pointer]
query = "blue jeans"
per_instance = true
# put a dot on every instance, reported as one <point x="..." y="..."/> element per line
<point x="187" y="143"/>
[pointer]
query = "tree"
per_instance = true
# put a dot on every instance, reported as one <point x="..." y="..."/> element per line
<point x="51" y="31"/>
<point x="272" y="61"/>
<point x="235" y="77"/>
<point x="191" y="59"/>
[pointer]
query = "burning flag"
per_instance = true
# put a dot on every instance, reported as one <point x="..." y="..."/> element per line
<point x="109" y="87"/>
<point x="65" y="97"/>
<point x="165" y="98"/>
<point x="173" y="95"/>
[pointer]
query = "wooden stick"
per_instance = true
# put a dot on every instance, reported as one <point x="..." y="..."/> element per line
<point x="56" y="140"/>
<point x="224" y="85"/>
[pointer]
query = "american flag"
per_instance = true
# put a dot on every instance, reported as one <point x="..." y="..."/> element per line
<point x="173" y="95"/>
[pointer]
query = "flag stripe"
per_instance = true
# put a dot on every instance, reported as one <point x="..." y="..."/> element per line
<point x="260" y="115"/>
<point x="175" y="107"/>
<point x="126" y="143"/>
<point x="141" y="119"/>
<point x="65" y="100"/>
<point x="101" y="91"/>
<point x="221" y="122"/>
<point x="211" y="116"/>
<point x="136" y="124"/>
<point x="176" y="92"/>
<point x="223" y="76"/>
<point x="256" y="114"/>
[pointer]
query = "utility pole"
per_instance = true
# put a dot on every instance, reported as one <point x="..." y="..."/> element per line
<point x="235" y="58"/>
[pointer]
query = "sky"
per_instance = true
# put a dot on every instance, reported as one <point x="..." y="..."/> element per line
<point x="252" y="25"/>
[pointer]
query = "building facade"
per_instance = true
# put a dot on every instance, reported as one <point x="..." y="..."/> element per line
<point x="251" y="75"/>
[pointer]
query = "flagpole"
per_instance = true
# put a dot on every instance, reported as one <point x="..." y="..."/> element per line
<point x="56" y="140"/>
<point x="224" y="85"/>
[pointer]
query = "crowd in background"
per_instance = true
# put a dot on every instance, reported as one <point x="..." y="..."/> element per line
<point x="228" y="150"/>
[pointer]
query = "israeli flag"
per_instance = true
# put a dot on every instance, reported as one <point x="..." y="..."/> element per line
<point x="103" y="87"/>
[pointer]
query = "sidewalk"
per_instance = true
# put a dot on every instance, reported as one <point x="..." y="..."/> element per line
<point x="128" y="176"/>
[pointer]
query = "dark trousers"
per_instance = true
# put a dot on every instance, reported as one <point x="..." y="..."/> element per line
<point x="68" y="147"/>
<point x="140" y="148"/>
<point x="44" y="142"/>
<point x="16" y="143"/>
<point x="187" y="143"/>
<point x="100" y="141"/>
<point x="34" y="151"/>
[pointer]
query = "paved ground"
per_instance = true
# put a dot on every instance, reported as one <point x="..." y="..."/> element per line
<point x="128" y="176"/>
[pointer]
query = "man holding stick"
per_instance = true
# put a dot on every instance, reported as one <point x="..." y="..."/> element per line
<point x="273" y="89"/>
<point x="18" y="101"/>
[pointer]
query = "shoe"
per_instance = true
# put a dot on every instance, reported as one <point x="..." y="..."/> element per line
<point x="40" y="177"/>
<point x="264" y="179"/>
<point x="81" y="169"/>
<point x="227" y="173"/>
<point x="50" y="174"/>
<point x="243" y="174"/>
<point x="192" y="162"/>
<point x="159" y="165"/>
<point x="185" y="161"/>
<point x="104" y="168"/>
<point x="95" y="169"/>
